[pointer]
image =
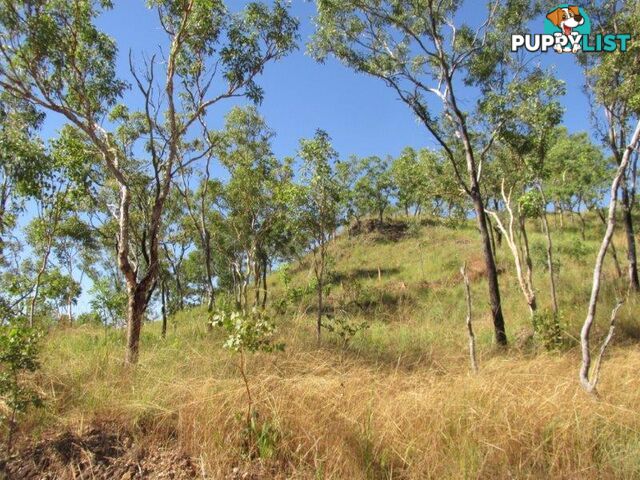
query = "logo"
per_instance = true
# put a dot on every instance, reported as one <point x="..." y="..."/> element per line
<point x="567" y="29"/>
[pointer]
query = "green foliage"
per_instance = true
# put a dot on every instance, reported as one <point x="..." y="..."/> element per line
<point x="262" y="438"/>
<point x="344" y="328"/>
<point x="19" y="347"/>
<point x="89" y="318"/>
<point x="614" y="78"/>
<point x="252" y="331"/>
<point x="374" y="186"/>
<point x="576" y="250"/>
<point x="531" y="204"/>
<point x="109" y="300"/>
<point x="548" y="330"/>
<point x="539" y="257"/>
<point x="292" y="294"/>
<point x="580" y="177"/>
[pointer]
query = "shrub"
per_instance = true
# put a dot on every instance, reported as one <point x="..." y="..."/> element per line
<point x="344" y="328"/>
<point x="548" y="330"/>
<point x="248" y="332"/>
<point x="576" y="250"/>
<point x="18" y="356"/>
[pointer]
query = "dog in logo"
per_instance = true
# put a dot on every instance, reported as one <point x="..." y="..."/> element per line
<point x="566" y="19"/>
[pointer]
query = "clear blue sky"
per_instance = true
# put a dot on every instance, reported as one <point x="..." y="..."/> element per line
<point x="361" y="114"/>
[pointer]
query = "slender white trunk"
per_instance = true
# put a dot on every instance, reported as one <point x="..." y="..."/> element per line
<point x="589" y="384"/>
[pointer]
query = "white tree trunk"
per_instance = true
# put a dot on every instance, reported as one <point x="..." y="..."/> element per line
<point x="590" y="384"/>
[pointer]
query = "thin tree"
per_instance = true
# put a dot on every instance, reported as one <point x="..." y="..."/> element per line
<point x="319" y="208"/>
<point x="71" y="71"/>
<point x="586" y="380"/>
<point x="470" y="334"/>
<point x="419" y="51"/>
<point x="611" y="81"/>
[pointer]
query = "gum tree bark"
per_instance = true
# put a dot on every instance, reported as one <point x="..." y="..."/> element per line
<point x="587" y="383"/>
<point x="471" y="335"/>
<point x="525" y="281"/>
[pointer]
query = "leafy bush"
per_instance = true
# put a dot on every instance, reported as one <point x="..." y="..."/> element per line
<point x="539" y="257"/>
<point x="248" y="332"/>
<point x="90" y="318"/>
<point x="548" y="330"/>
<point x="292" y="294"/>
<point x="18" y="356"/>
<point x="344" y="328"/>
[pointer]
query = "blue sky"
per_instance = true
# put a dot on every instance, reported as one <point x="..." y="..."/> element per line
<point x="361" y="114"/>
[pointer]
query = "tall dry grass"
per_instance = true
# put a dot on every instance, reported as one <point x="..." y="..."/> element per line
<point x="399" y="403"/>
<point x="334" y="416"/>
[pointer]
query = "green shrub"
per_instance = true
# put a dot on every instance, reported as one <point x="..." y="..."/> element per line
<point x="18" y="356"/>
<point x="548" y="330"/>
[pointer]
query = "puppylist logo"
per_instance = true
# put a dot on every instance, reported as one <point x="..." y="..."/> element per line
<point x="567" y="29"/>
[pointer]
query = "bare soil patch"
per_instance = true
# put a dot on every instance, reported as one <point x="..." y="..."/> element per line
<point x="98" y="453"/>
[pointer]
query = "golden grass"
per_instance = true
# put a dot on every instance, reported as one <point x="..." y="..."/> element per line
<point x="340" y="417"/>
<point x="400" y="403"/>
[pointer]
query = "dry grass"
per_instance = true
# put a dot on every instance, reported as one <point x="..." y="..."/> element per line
<point x="400" y="403"/>
<point x="338" y="417"/>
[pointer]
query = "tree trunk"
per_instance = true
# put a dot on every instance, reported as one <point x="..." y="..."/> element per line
<point x="493" y="240"/>
<point x="320" y="307"/>
<point x="531" y="298"/>
<point x="36" y="288"/>
<point x="164" y="309"/>
<point x="634" y="283"/>
<point x="471" y="336"/>
<point x="525" y="282"/>
<point x="614" y="252"/>
<point x="135" y="314"/>
<point x="583" y="225"/>
<point x="70" y="309"/>
<point x="264" y="285"/>
<point x="552" y="280"/>
<point x="584" y="374"/>
<point x="492" y="272"/>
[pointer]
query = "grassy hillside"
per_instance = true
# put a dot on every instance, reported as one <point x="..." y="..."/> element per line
<point x="398" y="402"/>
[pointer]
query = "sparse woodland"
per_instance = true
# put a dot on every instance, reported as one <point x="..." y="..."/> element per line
<point x="178" y="301"/>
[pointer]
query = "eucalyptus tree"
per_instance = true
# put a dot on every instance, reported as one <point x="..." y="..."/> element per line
<point x="56" y="58"/>
<point x="577" y="173"/>
<point x="420" y="51"/>
<point x="200" y="202"/>
<point x="416" y="175"/>
<point x="615" y="80"/>
<point x="177" y="241"/>
<point x="405" y="173"/>
<point x="23" y="164"/>
<point x="533" y="111"/>
<point x="318" y="211"/>
<point x="612" y="81"/>
<point x="374" y="186"/>
<point x="251" y="201"/>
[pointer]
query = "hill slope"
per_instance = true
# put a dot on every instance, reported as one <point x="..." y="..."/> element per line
<point x="398" y="401"/>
